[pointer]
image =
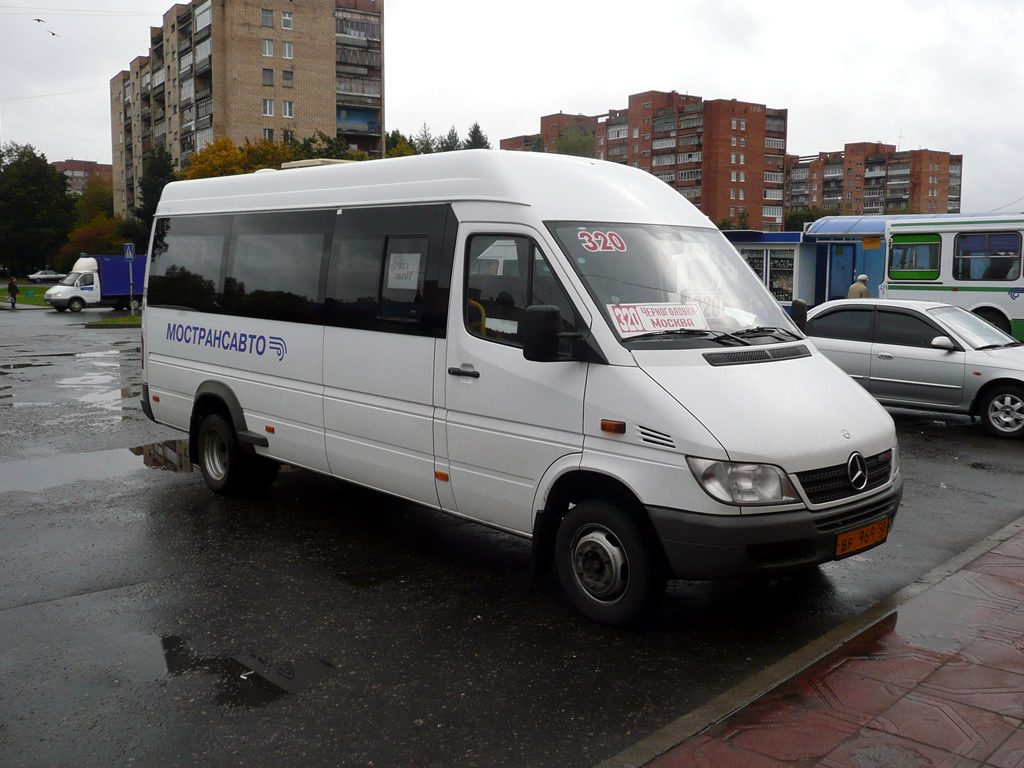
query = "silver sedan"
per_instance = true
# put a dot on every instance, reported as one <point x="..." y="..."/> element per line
<point x="926" y="356"/>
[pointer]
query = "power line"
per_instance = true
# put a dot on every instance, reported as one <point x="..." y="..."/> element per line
<point x="21" y="10"/>
<point x="4" y="99"/>
<point x="51" y="133"/>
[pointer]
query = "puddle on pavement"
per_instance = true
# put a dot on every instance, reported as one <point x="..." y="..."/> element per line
<point x="33" y="475"/>
<point x="15" y="366"/>
<point x="251" y="682"/>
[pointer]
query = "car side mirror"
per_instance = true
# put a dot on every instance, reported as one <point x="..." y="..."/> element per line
<point x="943" y="342"/>
<point x="798" y="311"/>
<point x="540" y="333"/>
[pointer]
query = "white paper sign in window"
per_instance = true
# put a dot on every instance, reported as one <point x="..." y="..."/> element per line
<point x="403" y="271"/>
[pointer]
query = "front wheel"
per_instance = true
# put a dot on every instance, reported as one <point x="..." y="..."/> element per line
<point x="220" y="456"/>
<point x="1002" y="412"/>
<point x="76" y="305"/>
<point x="607" y="564"/>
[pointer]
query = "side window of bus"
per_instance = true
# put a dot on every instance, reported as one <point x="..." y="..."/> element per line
<point x="504" y="275"/>
<point x="914" y="257"/>
<point x="987" y="256"/>
<point x="187" y="263"/>
<point x="390" y="269"/>
<point x="275" y="264"/>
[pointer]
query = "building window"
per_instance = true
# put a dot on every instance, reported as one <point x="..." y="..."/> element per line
<point x="286" y="20"/>
<point x="733" y="124"/>
<point x="287" y="109"/>
<point x="743" y="141"/>
<point x="268" y="134"/>
<point x="733" y="140"/>
<point x="732" y="157"/>
<point x="743" y="159"/>
<point x="266" y="18"/>
<point x="288" y="79"/>
<point x="287" y="50"/>
<point x="732" y="175"/>
<point x="636" y="133"/>
<point x="268" y="47"/>
<point x="268" y="107"/>
<point x="268" y="76"/>
<point x="743" y="125"/>
<point x="287" y="135"/>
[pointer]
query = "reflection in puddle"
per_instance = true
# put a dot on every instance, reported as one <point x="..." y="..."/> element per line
<point x="254" y="682"/>
<point x="13" y="366"/>
<point x="33" y="475"/>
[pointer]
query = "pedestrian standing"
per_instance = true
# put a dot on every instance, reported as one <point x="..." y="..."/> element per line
<point x="859" y="290"/>
<point x="12" y="292"/>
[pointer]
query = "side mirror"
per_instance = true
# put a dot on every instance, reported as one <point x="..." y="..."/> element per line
<point x="943" y="342"/>
<point x="540" y="333"/>
<point x="799" y="313"/>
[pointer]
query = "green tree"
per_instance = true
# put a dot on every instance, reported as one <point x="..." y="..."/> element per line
<point x="476" y="138"/>
<point x="320" y="145"/>
<point x="450" y="142"/>
<point x="575" y="141"/>
<point x="393" y="140"/>
<point x="743" y="221"/>
<point x="401" y="148"/>
<point x="97" y="198"/>
<point x="157" y="172"/>
<point x="537" y="144"/>
<point x="725" y="224"/>
<point x="794" y="220"/>
<point x="423" y="142"/>
<point x="36" y="210"/>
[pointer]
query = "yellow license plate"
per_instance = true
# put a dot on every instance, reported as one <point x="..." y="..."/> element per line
<point x="862" y="538"/>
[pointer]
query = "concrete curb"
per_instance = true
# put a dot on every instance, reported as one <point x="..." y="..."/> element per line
<point x="663" y="740"/>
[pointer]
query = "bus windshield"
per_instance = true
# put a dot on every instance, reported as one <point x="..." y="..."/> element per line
<point x="650" y="278"/>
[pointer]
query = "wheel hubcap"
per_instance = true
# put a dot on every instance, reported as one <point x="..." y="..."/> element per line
<point x="600" y="565"/>
<point x="215" y="456"/>
<point x="1006" y="413"/>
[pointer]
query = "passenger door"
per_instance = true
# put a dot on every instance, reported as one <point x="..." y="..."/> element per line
<point x="507" y="419"/>
<point x="904" y="365"/>
<point x="844" y="335"/>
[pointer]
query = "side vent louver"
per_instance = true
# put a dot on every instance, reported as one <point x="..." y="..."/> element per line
<point x="654" y="437"/>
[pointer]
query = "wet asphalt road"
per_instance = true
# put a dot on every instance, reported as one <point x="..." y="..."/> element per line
<point x="145" y="621"/>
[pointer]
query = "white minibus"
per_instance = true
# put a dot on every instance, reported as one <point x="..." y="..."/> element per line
<point x="970" y="260"/>
<point x="562" y="348"/>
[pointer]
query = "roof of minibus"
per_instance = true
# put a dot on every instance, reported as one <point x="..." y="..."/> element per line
<point x="557" y="187"/>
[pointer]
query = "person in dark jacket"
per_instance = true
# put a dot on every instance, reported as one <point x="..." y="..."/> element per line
<point x="12" y="292"/>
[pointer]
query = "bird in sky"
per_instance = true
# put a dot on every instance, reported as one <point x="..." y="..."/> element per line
<point x="41" y="21"/>
<point x="53" y="33"/>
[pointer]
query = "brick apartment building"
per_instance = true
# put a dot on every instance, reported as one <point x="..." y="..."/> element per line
<point x="80" y="171"/>
<point x="729" y="158"/>
<point x="868" y="178"/>
<point x="725" y="156"/>
<point x="249" y="69"/>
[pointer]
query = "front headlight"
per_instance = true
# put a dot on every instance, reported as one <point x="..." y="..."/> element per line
<point x="743" y="484"/>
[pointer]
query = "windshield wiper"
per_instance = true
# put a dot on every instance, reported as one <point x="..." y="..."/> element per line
<point x="765" y="330"/>
<point x="999" y="346"/>
<point x="706" y="332"/>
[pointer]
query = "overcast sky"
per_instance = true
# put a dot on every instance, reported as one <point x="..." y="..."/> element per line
<point x="936" y="74"/>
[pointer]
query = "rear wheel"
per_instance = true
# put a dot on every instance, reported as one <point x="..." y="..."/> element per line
<point x="1002" y="411"/>
<point x="220" y="456"/>
<point x="606" y="563"/>
<point x="76" y="305"/>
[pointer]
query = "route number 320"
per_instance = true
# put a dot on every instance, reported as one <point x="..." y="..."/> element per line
<point x="602" y="241"/>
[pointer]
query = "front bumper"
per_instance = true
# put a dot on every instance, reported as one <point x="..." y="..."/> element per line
<point x="714" y="547"/>
<point x="57" y="302"/>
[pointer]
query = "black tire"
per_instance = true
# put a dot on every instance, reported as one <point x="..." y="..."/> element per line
<point x="1002" y="411"/>
<point x="607" y="565"/>
<point x="221" y="459"/>
<point x="76" y="304"/>
<point x="61" y="309"/>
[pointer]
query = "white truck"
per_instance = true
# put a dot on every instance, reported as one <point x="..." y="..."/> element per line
<point x="100" y="281"/>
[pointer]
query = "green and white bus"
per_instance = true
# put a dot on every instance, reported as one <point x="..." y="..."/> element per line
<point x="970" y="260"/>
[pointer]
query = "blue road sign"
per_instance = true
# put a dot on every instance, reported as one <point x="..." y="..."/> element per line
<point x="129" y="251"/>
